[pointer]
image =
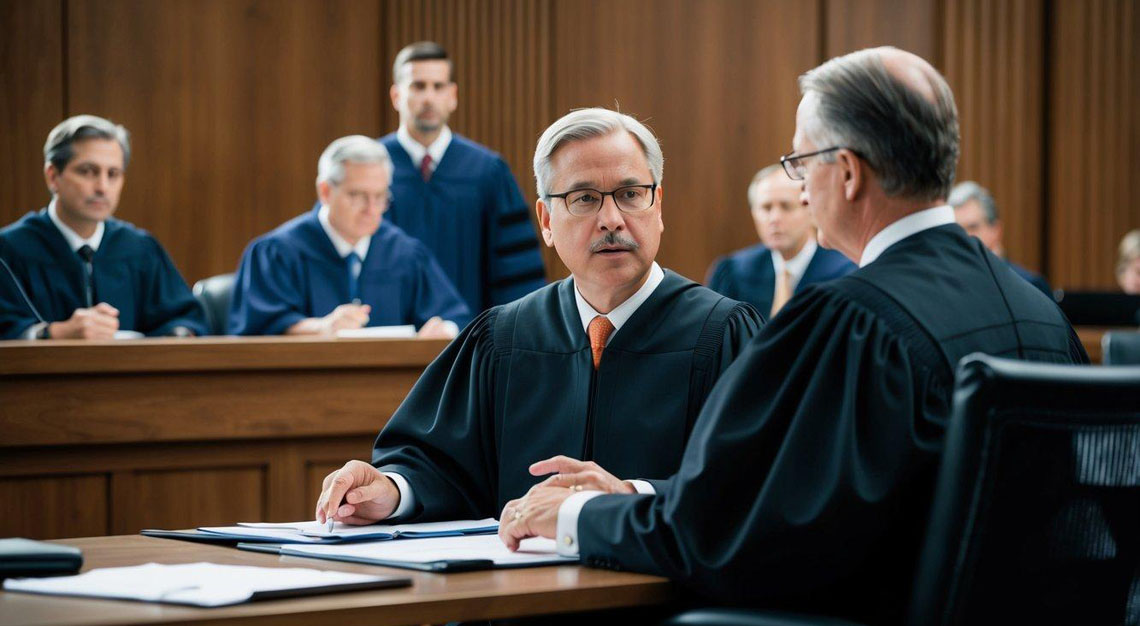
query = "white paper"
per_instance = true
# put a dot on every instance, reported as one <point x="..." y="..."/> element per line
<point x="406" y="331"/>
<point x="197" y="584"/>
<point x="533" y="550"/>
<point x="313" y="531"/>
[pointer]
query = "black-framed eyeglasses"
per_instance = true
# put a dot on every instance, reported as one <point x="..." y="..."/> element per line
<point x="628" y="198"/>
<point x="795" y="166"/>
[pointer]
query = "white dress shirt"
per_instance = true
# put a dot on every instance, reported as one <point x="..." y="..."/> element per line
<point x="796" y="265"/>
<point x="416" y="150"/>
<point x="75" y="242"/>
<point x="343" y="248"/>
<point x="901" y="229"/>
<point x="618" y="317"/>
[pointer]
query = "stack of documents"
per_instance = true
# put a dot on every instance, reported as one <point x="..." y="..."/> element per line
<point x="441" y="554"/>
<point x="312" y="532"/>
<point x="406" y="331"/>
<point x="201" y="584"/>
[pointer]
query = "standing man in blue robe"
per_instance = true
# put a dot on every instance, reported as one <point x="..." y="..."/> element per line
<point x="342" y="266"/>
<point x="456" y="196"/>
<point x="768" y="274"/>
<point x="71" y="270"/>
<point x="610" y="366"/>
<point x="976" y="212"/>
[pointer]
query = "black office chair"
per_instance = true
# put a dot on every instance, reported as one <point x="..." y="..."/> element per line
<point x="214" y="294"/>
<point x="1121" y="347"/>
<point x="1036" y="511"/>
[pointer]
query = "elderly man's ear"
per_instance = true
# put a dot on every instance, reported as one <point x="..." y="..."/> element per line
<point x="853" y="174"/>
<point x="543" y="213"/>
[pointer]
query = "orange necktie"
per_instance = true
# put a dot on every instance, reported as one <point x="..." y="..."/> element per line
<point x="783" y="291"/>
<point x="599" y="331"/>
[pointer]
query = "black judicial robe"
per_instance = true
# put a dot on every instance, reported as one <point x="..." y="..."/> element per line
<point x="131" y="272"/>
<point x="807" y="479"/>
<point x="749" y="276"/>
<point x="518" y="386"/>
<point x="1034" y="279"/>
<point x="295" y="272"/>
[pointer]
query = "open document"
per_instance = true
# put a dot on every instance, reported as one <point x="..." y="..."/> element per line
<point x="313" y="532"/>
<point x="201" y="584"/>
<point x="441" y="554"/>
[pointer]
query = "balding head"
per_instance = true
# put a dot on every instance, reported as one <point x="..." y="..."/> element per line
<point x="892" y="109"/>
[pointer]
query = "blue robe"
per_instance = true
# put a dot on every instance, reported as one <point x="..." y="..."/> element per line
<point x="749" y="276"/>
<point x="131" y="273"/>
<point x="471" y="215"/>
<point x="1034" y="279"/>
<point x="294" y="272"/>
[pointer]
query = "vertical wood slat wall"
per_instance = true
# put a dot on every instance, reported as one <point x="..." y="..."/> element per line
<point x="231" y="102"/>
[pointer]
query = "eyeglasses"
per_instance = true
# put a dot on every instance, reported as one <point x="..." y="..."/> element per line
<point x="629" y="199"/>
<point x="796" y="168"/>
<point x="362" y="200"/>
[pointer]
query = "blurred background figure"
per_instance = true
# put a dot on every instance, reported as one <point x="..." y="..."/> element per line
<point x="976" y="211"/>
<point x="1128" y="263"/>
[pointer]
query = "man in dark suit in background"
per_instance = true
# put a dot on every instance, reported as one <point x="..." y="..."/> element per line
<point x="788" y="259"/>
<point x="976" y="211"/>
<point x="806" y="482"/>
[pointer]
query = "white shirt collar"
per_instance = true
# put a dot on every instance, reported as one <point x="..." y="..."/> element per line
<point x="416" y="150"/>
<point x="343" y="248"/>
<point x="73" y="239"/>
<point x="623" y="311"/>
<point x="796" y="265"/>
<point x="905" y="227"/>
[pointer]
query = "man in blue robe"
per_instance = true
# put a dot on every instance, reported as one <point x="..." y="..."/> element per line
<point x="610" y="366"/>
<point x="789" y="259"/>
<point x="456" y="196"/>
<point x="71" y="270"/>
<point x="342" y="266"/>
<point x="976" y="212"/>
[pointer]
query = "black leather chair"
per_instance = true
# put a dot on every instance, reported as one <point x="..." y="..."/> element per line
<point x="1036" y="511"/>
<point x="1121" y="347"/>
<point x="214" y="294"/>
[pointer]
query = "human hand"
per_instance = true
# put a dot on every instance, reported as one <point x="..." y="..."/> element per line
<point x="98" y="322"/>
<point x="357" y="494"/>
<point x="578" y="475"/>
<point x="436" y="328"/>
<point x="344" y="317"/>
<point x="533" y="515"/>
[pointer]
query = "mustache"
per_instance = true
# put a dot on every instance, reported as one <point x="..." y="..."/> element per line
<point x="611" y="240"/>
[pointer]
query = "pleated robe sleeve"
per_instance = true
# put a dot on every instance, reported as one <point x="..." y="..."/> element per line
<point x="800" y="466"/>
<point x="442" y="437"/>
<point x="15" y="314"/>
<point x="165" y="300"/>
<point x="514" y="261"/>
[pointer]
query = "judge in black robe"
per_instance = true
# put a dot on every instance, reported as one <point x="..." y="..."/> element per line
<point x="519" y="384"/>
<point x="130" y="271"/>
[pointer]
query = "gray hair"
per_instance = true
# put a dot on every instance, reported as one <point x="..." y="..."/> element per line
<point x="909" y="142"/>
<point x="587" y="124"/>
<point x="968" y="190"/>
<point x="353" y="148"/>
<point x="760" y="176"/>
<point x="1129" y="251"/>
<point x="59" y="147"/>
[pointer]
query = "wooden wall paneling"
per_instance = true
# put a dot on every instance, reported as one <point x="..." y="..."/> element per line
<point x="31" y="99"/>
<point x="229" y="104"/>
<point x="54" y="506"/>
<point x="501" y="52"/>
<point x="855" y="24"/>
<point x="1093" y="138"/>
<point x="993" y="57"/>
<point x="715" y="81"/>
<point x="169" y="498"/>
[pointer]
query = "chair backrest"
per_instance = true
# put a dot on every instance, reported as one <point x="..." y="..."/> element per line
<point x="214" y="294"/>
<point x="1036" y="512"/>
<point x="1121" y="347"/>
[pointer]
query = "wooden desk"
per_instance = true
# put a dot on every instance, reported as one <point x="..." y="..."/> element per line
<point x="432" y="598"/>
<point x="100" y="438"/>
<point x="1091" y="337"/>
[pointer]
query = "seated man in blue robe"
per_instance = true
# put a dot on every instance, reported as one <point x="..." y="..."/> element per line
<point x="976" y="212"/>
<point x="341" y="266"/>
<point x="768" y="274"/>
<point x="71" y="270"/>
<point x="609" y="366"/>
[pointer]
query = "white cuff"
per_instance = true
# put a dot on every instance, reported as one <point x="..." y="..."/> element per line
<point x="407" y="498"/>
<point x="33" y="330"/>
<point x="452" y="328"/>
<point x="642" y="486"/>
<point x="567" y="535"/>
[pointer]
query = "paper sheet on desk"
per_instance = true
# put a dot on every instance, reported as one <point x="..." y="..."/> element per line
<point x="406" y="331"/>
<point x="199" y="584"/>
<point x="316" y="533"/>
<point x="534" y="551"/>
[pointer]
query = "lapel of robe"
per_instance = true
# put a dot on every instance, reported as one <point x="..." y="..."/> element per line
<point x="61" y="267"/>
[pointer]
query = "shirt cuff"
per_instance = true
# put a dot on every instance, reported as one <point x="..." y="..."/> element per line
<point x="33" y="330"/>
<point x="452" y="328"/>
<point x="407" y="498"/>
<point x="567" y="535"/>
<point x="642" y="486"/>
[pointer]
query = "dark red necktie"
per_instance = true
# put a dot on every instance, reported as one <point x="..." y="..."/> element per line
<point x="425" y="167"/>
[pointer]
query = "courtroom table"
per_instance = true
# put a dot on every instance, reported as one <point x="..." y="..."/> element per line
<point x="432" y="598"/>
<point x="104" y="438"/>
